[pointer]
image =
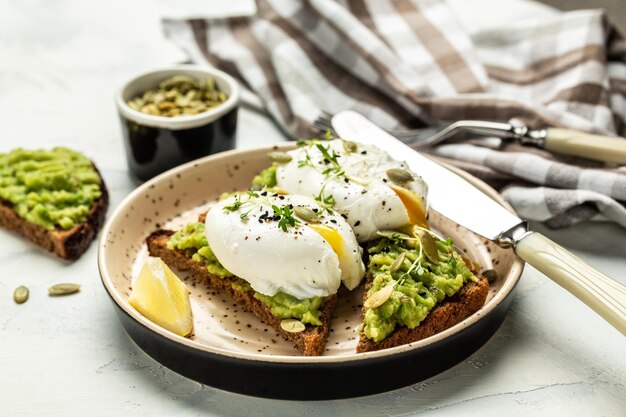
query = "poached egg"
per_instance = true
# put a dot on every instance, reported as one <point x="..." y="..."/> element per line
<point x="357" y="182"/>
<point x="261" y="238"/>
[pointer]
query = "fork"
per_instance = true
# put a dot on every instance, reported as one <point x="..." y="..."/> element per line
<point x="564" y="141"/>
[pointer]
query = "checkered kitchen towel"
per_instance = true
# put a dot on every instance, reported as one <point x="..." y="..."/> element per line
<point x="409" y="63"/>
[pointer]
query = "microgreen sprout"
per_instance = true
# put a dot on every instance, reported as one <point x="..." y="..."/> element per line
<point x="286" y="215"/>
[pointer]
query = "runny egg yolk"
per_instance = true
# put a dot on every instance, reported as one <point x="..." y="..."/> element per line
<point x="413" y="205"/>
<point x="334" y="239"/>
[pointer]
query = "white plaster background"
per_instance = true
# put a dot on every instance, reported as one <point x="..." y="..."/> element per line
<point x="60" y="64"/>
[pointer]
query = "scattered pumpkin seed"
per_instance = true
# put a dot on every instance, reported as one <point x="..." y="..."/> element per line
<point x="399" y="175"/>
<point x="379" y="297"/>
<point x="20" y="295"/>
<point x="491" y="275"/>
<point x="473" y="266"/>
<point x="179" y="81"/>
<point x="63" y="289"/>
<point x="430" y="247"/>
<point x="292" y="325"/>
<point x="280" y="157"/>
<point x="178" y="96"/>
<point x="307" y="214"/>
<point x="405" y="299"/>
<point x="392" y="234"/>
<point x="349" y="147"/>
<point x="280" y="191"/>
<point x="397" y="263"/>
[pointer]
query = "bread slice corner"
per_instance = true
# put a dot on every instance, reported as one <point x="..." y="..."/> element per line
<point x="67" y="244"/>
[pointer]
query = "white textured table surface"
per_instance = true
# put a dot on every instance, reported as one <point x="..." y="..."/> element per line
<point x="60" y="63"/>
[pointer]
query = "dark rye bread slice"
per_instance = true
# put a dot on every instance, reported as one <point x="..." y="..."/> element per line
<point x="451" y="311"/>
<point x="68" y="244"/>
<point x="311" y="341"/>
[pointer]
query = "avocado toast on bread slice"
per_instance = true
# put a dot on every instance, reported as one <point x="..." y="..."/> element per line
<point x="417" y="285"/>
<point x="195" y="257"/>
<point x="57" y="199"/>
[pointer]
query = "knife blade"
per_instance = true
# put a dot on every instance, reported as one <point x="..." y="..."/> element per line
<point x="464" y="204"/>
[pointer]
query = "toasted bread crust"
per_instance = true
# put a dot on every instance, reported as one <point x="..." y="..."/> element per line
<point x="311" y="341"/>
<point x="453" y="310"/>
<point x="67" y="244"/>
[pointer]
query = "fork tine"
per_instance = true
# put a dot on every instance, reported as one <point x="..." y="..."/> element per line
<point x="321" y="126"/>
<point x="323" y="122"/>
<point x="326" y="115"/>
<point x="413" y="137"/>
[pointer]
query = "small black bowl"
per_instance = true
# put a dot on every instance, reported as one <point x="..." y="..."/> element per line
<point x="155" y="144"/>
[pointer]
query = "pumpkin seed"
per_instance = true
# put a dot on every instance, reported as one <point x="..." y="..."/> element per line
<point x="280" y="191"/>
<point x="430" y="247"/>
<point x="179" y="95"/>
<point x="292" y="325"/>
<point x="280" y="157"/>
<point x="379" y="297"/>
<point x="399" y="175"/>
<point x="405" y="299"/>
<point x="20" y="295"/>
<point x="473" y="266"/>
<point x="63" y="289"/>
<point x="491" y="275"/>
<point x="166" y="105"/>
<point x="397" y="263"/>
<point x="307" y="214"/>
<point x="176" y="81"/>
<point x="349" y="147"/>
<point x="392" y="234"/>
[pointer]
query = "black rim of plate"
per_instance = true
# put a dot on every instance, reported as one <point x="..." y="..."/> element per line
<point x="310" y="379"/>
<point x="315" y="380"/>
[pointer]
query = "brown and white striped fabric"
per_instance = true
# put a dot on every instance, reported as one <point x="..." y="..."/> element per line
<point x="409" y="63"/>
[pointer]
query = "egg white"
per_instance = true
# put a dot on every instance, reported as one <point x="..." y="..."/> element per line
<point x="363" y="196"/>
<point x="299" y="261"/>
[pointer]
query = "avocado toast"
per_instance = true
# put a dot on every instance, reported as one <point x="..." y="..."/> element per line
<point x="188" y="250"/>
<point x="56" y="199"/>
<point x="417" y="285"/>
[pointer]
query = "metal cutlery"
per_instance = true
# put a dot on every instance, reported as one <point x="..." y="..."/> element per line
<point x="558" y="140"/>
<point x="461" y="202"/>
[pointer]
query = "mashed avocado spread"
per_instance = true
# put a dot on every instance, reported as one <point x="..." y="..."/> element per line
<point x="192" y="241"/>
<point x="266" y="178"/>
<point x="53" y="189"/>
<point x="420" y="283"/>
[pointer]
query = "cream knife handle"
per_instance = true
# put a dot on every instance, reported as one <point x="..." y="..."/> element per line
<point x="604" y="295"/>
<point x="586" y="145"/>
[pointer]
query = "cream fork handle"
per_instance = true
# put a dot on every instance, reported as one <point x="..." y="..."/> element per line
<point x="586" y="145"/>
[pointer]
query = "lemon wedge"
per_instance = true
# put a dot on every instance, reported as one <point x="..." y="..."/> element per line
<point x="162" y="297"/>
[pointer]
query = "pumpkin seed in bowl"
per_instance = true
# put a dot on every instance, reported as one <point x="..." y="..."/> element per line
<point x="180" y="95"/>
